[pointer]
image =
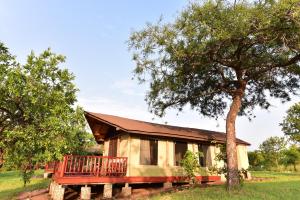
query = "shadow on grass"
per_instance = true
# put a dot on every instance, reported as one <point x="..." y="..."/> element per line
<point x="8" y="174"/>
<point x="11" y="185"/>
<point x="12" y="193"/>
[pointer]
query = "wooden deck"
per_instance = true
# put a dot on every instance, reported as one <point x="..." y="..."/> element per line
<point x="81" y="170"/>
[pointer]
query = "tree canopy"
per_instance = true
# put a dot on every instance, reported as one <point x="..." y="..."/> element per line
<point x="217" y="55"/>
<point x="39" y="121"/>
<point x="272" y="150"/>
<point x="212" y="50"/>
<point x="291" y="123"/>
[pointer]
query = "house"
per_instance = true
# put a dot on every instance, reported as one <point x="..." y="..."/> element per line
<point x="140" y="152"/>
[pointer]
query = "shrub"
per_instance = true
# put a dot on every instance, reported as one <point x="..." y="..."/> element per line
<point x="190" y="164"/>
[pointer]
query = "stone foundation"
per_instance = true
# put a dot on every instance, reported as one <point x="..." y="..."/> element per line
<point x="47" y="175"/>
<point x="85" y="193"/>
<point x="167" y="185"/>
<point x="56" y="191"/>
<point x="126" y="191"/>
<point x="107" y="191"/>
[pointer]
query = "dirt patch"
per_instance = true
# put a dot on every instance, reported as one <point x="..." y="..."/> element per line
<point x="144" y="191"/>
<point x="41" y="194"/>
<point x="139" y="191"/>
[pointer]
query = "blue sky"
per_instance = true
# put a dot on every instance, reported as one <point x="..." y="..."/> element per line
<point x="92" y="35"/>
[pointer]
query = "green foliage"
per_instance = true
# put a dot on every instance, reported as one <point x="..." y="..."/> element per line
<point x="291" y="123"/>
<point x="291" y="156"/>
<point x="272" y="151"/>
<point x="256" y="160"/>
<point x="190" y="164"/>
<point x="26" y="176"/>
<point x="214" y="51"/>
<point x="37" y="104"/>
<point x="221" y="155"/>
<point x="273" y="154"/>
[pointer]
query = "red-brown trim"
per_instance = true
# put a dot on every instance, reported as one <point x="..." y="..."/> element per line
<point x="168" y="134"/>
<point x="130" y="179"/>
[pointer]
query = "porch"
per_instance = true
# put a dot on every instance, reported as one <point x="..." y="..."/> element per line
<point x="83" y="170"/>
<point x="74" y="169"/>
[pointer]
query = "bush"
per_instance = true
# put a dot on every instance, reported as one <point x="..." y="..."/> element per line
<point x="190" y="164"/>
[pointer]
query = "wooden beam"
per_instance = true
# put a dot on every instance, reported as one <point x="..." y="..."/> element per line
<point x="130" y="179"/>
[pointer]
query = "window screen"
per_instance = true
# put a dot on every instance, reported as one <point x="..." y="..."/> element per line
<point x="180" y="149"/>
<point x="202" y="160"/>
<point x="113" y="147"/>
<point x="148" y="152"/>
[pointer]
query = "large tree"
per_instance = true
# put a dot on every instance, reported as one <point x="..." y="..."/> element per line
<point x="291" y="123"/>
<point x="39" y="121"/>
<point x="218" y="55"/>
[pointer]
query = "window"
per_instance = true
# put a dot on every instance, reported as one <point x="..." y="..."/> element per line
<point x="148" y="152"/>
<point x="180" y="149"/>
<point x="202" y="160"/>
<point x="113" y="147"/>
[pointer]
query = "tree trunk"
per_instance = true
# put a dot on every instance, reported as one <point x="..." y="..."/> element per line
<point x="1" y="158"/>
<point x="232" y="165"/>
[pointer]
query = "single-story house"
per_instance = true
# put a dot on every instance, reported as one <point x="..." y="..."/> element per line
<point x="141" y="152"/>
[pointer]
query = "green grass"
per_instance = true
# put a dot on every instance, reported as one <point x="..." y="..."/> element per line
<point x="11" y="184"/>
<point x="279" y="186"/>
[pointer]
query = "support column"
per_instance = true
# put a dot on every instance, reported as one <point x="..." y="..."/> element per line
<point x="46" y="174"/>
<point x="85" y="193"/>
<point x="126" y="191"/>
<point x="167" y="185"/>
<point x="59" y="192"/>
<point x="107" y="191"/>
<point x="51" y="187"/>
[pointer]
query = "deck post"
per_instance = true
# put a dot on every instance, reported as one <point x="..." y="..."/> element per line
<point x="85" y="193"/>
<point x="46" y="174"/>
<point x="51" y="188"/>
<point x="107" y="191"/>
<point x="126" y="191"/>
<point x="63" y="166"/>
<point x="57" y="192"/>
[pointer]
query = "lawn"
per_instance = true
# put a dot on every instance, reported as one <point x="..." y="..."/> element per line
<point x="278" y="185"/>
<point x="11" y="184"/>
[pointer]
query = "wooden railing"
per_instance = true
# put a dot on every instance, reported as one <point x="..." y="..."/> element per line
<point x="95" y="166"/>
<point x="49" y="167"/>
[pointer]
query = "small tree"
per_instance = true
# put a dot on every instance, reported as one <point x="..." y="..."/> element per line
<point x="221" y="57"/>
<point x="291" y="156"/>
<point x="272" y="151"/>
<point x="190" y="164"/>
<point x="291" y="123"/>
<point x="256" y="159"/>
